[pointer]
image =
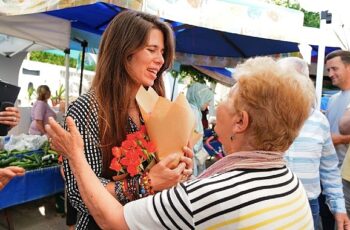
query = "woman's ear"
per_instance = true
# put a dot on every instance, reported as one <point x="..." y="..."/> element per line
<point x="241" y="122"/>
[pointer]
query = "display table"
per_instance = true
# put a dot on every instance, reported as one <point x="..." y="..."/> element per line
<point x="33" y="185"/>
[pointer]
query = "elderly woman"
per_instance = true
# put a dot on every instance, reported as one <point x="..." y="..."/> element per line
<point x="250" y="188"/>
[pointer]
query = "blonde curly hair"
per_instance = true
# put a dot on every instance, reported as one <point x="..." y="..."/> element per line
<point x="277" y="100"/>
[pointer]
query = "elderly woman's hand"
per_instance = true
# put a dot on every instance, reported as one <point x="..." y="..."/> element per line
<point x="10" y="116"/>
<point x="68" y="143"/>
<point x="163" y="177"/>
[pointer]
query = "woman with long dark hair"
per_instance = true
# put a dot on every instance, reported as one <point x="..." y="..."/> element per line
<point x="135" y="50"/>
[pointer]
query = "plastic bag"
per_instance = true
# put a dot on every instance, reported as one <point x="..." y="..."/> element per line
<point x="25" y="142"/>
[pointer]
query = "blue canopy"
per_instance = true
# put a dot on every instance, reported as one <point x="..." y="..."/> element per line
<point x="190" y="39"/>
<point x="209" y="42"/>
<point x="328" y="50"/>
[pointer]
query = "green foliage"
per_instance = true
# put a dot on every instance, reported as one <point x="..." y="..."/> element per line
<point x="55" y="59"/>
<point x="58" y="97"/>
<point x="311" y="19"/>
<point x="30" y="92"/>
<point x="187" y="71"/>
<point x="90" y="67"/>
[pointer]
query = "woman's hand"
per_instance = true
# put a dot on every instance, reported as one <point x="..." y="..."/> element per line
<point x="163" y="177"/>
<point x="10" y="116"/>
<point x="188" y="160"/>
<point x="68" y="143"/>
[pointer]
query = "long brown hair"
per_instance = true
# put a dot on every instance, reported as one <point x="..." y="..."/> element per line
<point x="126" y="33"/>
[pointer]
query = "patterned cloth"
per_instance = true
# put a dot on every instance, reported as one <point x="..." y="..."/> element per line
<point x="313" y="159"/>
<point x="239" y="199"/>
<point x="245" y="159"/>
<point x="84" y="112"/>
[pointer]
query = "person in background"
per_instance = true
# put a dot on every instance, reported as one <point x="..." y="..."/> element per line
<point x="205" y="121"/>
<point x="344" y="129"/>
<point x="250" y="188"/>
<point x="135" y="50"/>
<point x="11" y="117"/>
<point x="338" y="67"/>
<point x="199" y="96"/>
<point x="41" y="111"/>
<point x="313" y="158"/>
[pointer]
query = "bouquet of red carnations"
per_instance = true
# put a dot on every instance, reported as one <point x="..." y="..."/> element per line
<point x="135" y="155"/>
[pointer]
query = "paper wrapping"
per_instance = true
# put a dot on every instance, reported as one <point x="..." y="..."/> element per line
<point x="170" y="125"/>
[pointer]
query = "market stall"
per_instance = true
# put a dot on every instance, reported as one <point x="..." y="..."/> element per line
<point x="20" y="34"/>
<point x="42" y="177"/>
<point x="35" y="184"/>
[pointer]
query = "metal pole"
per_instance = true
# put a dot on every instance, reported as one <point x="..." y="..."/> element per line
<point x="67" y="52"/>
<point x="325" y="18"/>
<point x="84" y="45"/>
<point x="173" y="89"/>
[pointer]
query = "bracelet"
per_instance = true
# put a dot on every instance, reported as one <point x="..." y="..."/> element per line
<point x="132" y="187"/>
<point x="145" y="186"/>
<point x="119" y="193"/>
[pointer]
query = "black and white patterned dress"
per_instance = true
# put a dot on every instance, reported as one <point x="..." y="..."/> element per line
<point x="84" y="112"/>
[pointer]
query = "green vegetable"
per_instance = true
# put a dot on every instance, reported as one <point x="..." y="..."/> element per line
<point x="50" y="151"/>
<point x="7" y="162"/>
<point x="25" y="165"/>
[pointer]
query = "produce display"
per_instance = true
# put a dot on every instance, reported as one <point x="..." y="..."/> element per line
<point x="41" y="158"/>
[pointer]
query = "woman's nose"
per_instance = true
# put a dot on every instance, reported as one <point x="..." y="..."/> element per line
<point x="159" y="59"/>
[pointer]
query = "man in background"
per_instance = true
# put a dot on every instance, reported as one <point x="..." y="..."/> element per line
<point x="338" y="67"/>
<point x="313" y="159"/>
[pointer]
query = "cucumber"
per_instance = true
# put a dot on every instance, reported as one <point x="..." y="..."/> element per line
<point x="8" y="161"/>
<point x="25" y="165"/>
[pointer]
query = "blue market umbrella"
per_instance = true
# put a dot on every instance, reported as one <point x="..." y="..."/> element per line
<point x="190" y="39"/>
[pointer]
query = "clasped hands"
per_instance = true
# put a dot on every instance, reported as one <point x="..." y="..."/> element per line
<point x="70" y="144"/>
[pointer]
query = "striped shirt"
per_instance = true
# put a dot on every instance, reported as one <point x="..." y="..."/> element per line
<point x="239" y="199"/>
<point x="313" y="159"/>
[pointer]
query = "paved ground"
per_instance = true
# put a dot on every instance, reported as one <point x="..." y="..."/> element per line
<point x="36" y="215"/>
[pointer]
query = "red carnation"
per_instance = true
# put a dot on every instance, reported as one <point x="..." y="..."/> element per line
<point x="134" y="154"/>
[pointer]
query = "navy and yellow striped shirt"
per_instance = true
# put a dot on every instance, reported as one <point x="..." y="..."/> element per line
<point x="239" y="199"/>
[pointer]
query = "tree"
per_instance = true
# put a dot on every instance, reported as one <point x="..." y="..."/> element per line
<point x="311" y="19"/>
<point x="55" y="59"/>
<point x="187" y="71"/>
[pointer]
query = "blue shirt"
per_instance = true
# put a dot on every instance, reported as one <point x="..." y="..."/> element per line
<point x="313" y="159"/>
<point x="336" y="108"/>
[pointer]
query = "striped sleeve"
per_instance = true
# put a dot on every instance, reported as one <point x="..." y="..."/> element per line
<point x="169" y="209"/>
<point x="330" y="176"/>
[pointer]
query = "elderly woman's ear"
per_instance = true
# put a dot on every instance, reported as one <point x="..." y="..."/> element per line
<point x="241" y="122"/>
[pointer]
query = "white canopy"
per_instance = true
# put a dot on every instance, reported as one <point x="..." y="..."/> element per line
<point x="32" y="32"/>
<point x="23" y="33"/>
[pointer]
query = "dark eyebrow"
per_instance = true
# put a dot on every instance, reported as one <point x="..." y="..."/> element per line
<point x="154" y="46"/>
